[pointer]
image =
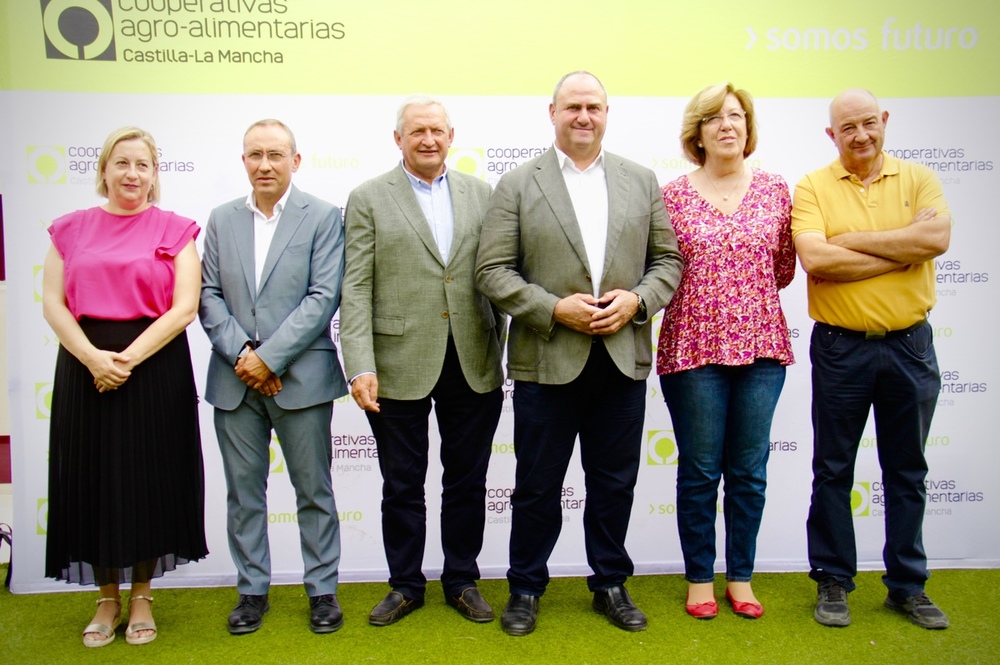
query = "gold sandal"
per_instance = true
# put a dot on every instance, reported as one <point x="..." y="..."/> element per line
<point x="145" y="625"/>
<point x="107" y="632"/>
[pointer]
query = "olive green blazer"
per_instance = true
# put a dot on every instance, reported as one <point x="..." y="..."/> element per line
<point x="531" y="254"/>
<point x="401" y="298"/>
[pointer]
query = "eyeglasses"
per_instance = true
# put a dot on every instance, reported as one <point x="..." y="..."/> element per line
<point x="273" y="156"/>
<point x="734" y="118"/>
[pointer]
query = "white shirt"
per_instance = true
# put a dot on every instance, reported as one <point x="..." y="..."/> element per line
<point x="263" y="231"/>
<point x="435" y="201"/>
<point x="588" y="190"/>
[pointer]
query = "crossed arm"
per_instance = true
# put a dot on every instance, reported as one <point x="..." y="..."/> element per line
<point x="858" y="255"/>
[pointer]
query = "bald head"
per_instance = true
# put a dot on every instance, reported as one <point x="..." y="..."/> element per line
<point x="578" y="74"/>
<point x="852" y="98"/>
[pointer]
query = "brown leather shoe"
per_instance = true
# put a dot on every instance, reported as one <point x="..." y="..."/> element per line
<point x="393" y="607"/>
<point x="471" y="604"/>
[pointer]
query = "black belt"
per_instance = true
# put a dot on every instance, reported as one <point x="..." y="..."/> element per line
<point x="871" y="334"/>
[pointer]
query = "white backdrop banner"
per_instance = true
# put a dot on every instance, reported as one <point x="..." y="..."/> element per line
<point x="196" y="74"/>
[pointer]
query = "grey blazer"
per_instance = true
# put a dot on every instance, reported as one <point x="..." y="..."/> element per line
<point x="531" y="254"/>
<point x="289" y="314"/>
<point x="401" y="297"/>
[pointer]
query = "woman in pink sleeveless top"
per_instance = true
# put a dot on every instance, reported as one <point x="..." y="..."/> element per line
<point x="126" y="486"/>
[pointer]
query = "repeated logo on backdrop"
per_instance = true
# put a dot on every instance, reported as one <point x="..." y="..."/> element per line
<point x="944" y="495"/>
<point x="490" y="163"/>
<point x="46" y="164"/>
<point x="661" y="449"/>
<point x="77" y="164"/>
<point x="276" y="458"/>
<point x="861" y="499"/>
<point x="41" y="517"/>
<point x="43" y="400"/>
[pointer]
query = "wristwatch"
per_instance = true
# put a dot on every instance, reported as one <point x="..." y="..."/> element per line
<point x="642" y="307"/>
<point x="245" y="350"/>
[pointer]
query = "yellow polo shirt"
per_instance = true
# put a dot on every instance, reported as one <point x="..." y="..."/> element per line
<point x="832" y="201"/>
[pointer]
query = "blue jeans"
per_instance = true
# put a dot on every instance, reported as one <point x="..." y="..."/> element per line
<point x="722" y="422"/>
<point x="899" y="377"/>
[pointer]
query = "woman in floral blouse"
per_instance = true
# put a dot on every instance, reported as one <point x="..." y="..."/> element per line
<point x="724" y="343"/>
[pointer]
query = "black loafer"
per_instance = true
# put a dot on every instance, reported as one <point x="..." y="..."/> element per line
<point x="471" y="604"/>
<point x="248" y="614"/>
<point x="326" y="614"/>
<point x="518" y="618"/>
<point x="619" y="608"/>
<point x="393" y="607"/>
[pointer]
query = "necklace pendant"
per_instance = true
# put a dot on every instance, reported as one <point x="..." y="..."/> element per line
<point x="725" y="198"/>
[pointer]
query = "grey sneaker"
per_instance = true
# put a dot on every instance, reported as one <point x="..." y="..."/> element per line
<point x="921" y="610"/>
<point x="831" y="604"/>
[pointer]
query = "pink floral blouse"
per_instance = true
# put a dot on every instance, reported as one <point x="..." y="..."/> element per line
<point x="726" y="310"/>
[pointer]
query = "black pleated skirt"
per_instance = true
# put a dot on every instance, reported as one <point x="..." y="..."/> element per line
<point x="126" y="479"/>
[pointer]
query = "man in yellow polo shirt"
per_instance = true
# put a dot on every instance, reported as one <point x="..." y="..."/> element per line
<point x="867" y="229"/>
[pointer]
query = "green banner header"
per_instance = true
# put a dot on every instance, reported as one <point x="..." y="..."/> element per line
<point x="897" y="48"/>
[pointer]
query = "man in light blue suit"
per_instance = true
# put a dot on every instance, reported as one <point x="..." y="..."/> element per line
<point x="271" y="274"/>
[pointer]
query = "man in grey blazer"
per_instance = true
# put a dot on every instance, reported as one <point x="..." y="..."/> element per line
<point x="416" y="332"/>
<point x="577" y="248"/>
<point x="271" y="274"/>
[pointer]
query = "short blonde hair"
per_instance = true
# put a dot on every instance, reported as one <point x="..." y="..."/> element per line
<point x="128" y="134"/>
<point x="704" y="105"/>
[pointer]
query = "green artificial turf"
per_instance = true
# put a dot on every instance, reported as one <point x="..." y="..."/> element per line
<point x="45" y="628"/>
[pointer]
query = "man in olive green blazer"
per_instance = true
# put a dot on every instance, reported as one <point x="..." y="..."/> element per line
<point x="415" y="332"/>
<point x="577" y="248"/>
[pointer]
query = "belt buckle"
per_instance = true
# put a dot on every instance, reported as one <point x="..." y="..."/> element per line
<point x="874" y="334"/>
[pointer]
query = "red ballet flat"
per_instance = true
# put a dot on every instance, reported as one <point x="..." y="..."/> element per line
<point x="745" y="610"/>
<point x="708" y="610"/>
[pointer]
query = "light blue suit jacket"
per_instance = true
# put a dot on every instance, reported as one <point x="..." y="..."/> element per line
<point x="291" y="311"/>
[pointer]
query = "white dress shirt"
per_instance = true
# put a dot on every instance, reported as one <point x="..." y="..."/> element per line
<point x="588" y="190"/>
<point x="263" y="231"/>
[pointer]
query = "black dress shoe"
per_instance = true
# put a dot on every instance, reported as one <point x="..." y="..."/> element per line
<point x="246" y="617"/>
<point x="326" y="614"/>
<point x="471" y="604"/>
<point x="518" y="618"/>
<point x="617" y="606"/>
<point x="393" y="607"/>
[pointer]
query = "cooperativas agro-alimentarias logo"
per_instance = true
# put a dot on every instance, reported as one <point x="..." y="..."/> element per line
<point x="78" y="29"/>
